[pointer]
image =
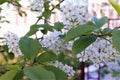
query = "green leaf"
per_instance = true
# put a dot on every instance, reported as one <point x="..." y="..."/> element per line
<point x="38" y="73"/>
<point x="33" y="30"/>
<point x="47" y="13"/>
<point x="29" y="47"/>
<point x="47" y="27"/>
<point x="91" y="23"/>
<point x="78" y="31"/>
<point x="61" y="57"/>
<point x="115" y="5"/>
<point x="58" y="26"/>
<point x="2" y="1"/>
<point x="116" y="39"/>
<point x="10" y="54"/>
<point x="59" y="74"/>
<point x="47" y="57"/>
<point x="44" y="31"/>
<point x="106" y="30"/>
<point x="9" y="75"/>
<point x="103" y="20"/>
<point x="82" y="43"/>
<point x="19" y="75"/>
<point x="13" y="67"/>
<point x="100" y="22"/>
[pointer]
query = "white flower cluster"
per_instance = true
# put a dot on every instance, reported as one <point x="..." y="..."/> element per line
<point x="100" y="52"/>
<point x="73" y="13"/>
<point x="67" y="69"/>
<point x="53" y="42"/>
<point x="12" y="41"/>
<point x="38" y="5"/>
<point x="113" y="66"/>
<point x="111" y="77"/>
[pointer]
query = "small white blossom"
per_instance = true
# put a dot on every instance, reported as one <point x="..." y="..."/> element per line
<point x="99" y="52"/>
<point x="82" y="57"/>
<point x="38" y="5"/>
<point x="111" y="77"/>
<point x="53" y="42"/>
<point x="12" y="41"/>
<point x="73" y="13"/>
<point x="65" y="68"/>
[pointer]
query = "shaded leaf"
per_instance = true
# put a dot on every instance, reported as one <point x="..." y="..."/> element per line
<point x="38" y="73"/>
<point x="47" y="57"/>
<point x="33" y="30"/>
<point x="116" y="39"/>
<point x="2" y="1"/>
<point x="19" y="75"/>
<point x="100" y="22"/>
<point x="47" y="13"/>
<point x="58" y="26"/>
<point x="78" y="31"/>
<point x="13" y="67"/>
<point x="9" y="75"/>
<point x="82" y="43"/>
<point x="59" y="74"/>
<point x="29" y="47"/>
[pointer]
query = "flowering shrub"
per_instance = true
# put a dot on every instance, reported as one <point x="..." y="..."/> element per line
<point x="76" y="38"/>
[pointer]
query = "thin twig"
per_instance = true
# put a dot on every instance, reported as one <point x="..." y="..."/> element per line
<point x="50" y="10"/>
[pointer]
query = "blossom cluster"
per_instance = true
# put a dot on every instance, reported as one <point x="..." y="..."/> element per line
<point x="12" y="41"/>
<point x="73" y="13"/>
<point x="113" y="68"/>
<point x="100" y="52"/>
<point x="111" y="77"/>
<point x="38" y="5"/>
<point x="67" y="69"/>
<point x="52" y="41"/>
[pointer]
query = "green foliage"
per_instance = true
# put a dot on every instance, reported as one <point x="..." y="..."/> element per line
<point x="61" y="56"/>
<point x="47" y="13"/>
<point x="58" y="26"/>
<point x="47" y="27"/>
<point x="13" y="67"/>
<point x="12" y="75"/>
<point x="35" y="28"/>
<point x="106" y="31"/>
<point x="10" y="54"/>
<point x="29" y="47"/>
<point x="100" y="22"/>
<point x="34" y="55"/>
<point x="116" y="39"/>
<point x="78" y="31"/>
<point x="47" y="57"/>
<point x="91" y="23"/>
<point x="59" y="74"/>
<point x="115" y="5"/>
<point x="82" y="43"/>
<point x="38" y="73"/>
<point x="2" y="1"/>
<point x="19" y="75"/>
